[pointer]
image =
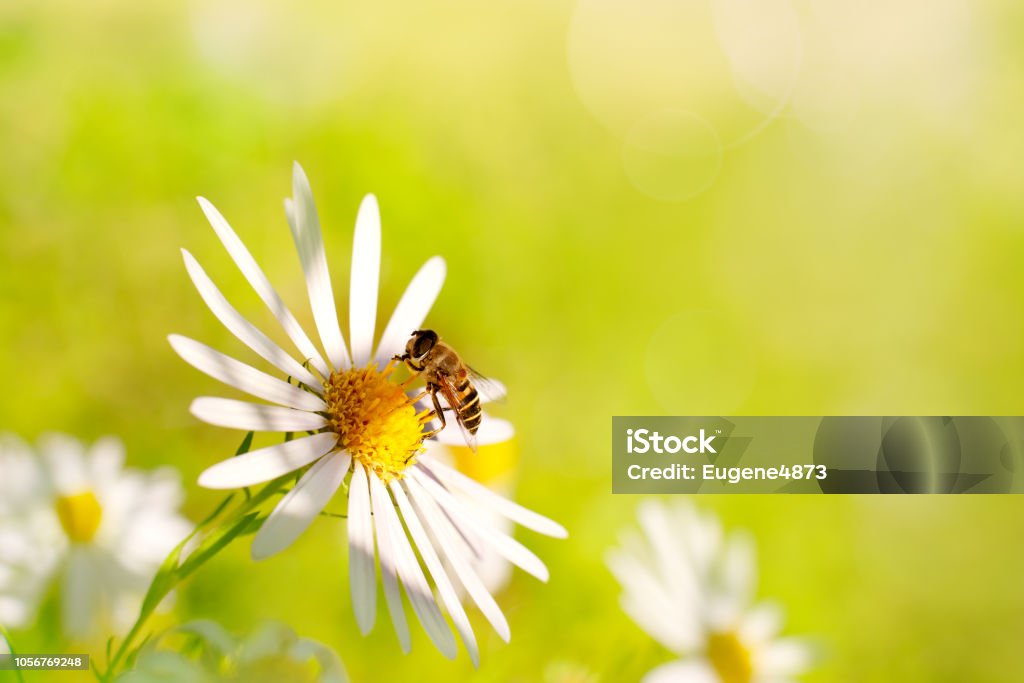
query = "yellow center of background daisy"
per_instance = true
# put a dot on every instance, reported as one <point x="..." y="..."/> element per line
<point x="80" y="515"/>
<point x="729" y="657"/>
<point x="374" y="419"/>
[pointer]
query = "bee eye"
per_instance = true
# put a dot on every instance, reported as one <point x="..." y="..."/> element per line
<point x="423" y="342"/>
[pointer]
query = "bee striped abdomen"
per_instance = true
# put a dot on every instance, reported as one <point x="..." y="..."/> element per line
<point x="469" y="408"/>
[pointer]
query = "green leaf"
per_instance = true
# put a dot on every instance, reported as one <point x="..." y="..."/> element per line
<point x="129" y="662"/>
<point x="100" y="676"/>
<point x="245" y="445"/>
<point x="216" y="513"/>
<point x="254" y="526"/>
<point x="164" y="579"/>
<point x="6" y="636"/>
<point x="214" y="543"/>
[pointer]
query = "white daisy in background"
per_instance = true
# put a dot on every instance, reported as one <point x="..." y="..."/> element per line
<point x="98" y="529"/>
<point x="403" y="506"/>
<point x="272" y="652"/>
<point x="30" y="535"/>
<point x="691" y="588"/>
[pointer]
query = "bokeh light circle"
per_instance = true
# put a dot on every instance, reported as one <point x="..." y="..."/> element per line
<point x="672" y="154"/>
<point x="732" y="62"/>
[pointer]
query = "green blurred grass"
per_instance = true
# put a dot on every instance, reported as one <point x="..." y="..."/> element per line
<point x="872" y="270"/>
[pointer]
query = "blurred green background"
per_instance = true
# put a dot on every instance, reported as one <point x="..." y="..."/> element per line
<point x="686" y="207"/>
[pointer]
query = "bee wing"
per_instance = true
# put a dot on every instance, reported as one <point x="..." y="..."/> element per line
<point x="451" y="397"/>
<point x="490" y="390"/>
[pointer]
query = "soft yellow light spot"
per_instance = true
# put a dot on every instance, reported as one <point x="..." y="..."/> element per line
<point x="491" y="464"/>
<point x="375" y="420"/>
<point x="80" y="515"/>
<point x="730" y="658"/>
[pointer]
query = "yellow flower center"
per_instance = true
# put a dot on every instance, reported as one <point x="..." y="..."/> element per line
<point x="375" y="420"/>
<point x="80" y="515"/>
<point x="730" y="658"/>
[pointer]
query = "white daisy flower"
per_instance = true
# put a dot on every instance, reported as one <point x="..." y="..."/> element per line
<point x="691" y="588"/>
<point x="98" y="529"/>
<point x="273" y="652"/>
<point x="494" y="466"/>
<point x="30" y="536"/>
<point x="362" y="425"/>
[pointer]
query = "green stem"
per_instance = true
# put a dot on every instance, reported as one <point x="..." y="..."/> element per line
<point x="200" y="556"/>
<point x="10" y="646"/>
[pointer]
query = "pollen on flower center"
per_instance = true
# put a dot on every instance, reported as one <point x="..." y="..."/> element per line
<point x="80" y="515"/>
<point x="730" y="658"/>
<point x="375" y="420"/>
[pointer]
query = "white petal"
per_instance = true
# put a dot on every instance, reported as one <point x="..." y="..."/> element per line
<point x="662" y="535"/>
<point x="761" y="623"/>
<point x="362" y="575"/>
<point x="739" y="569"/>
<point x="267" y="463"/>
<point x="682" y="672"/>
<point x="80" y="599"/>
<point x="704" y="541"/>
<point x="244" y="377"/>
<point x="440" y="525"/>
<point x="65" y="461"/>
<point x="362" y="308"/>
<point x="503" y="506"/>
<point x="412" y="309"/>
<point x="672" y="564"/>
<point x="784" y="658"/>
<point x="492" y="430"/>
<point x="415" y="584"/>
<point x="388" y="552"/>
<point x="259" y="282"/>
<point x="246" y="332"/>
<point x="226" y="412"/>
<point x="676" y="625"/>
<point x="106" y="460"/>
<point x="310" y="245"/>
<point x="512" y="550"/>
<point x="437" y="572"/>
<point x="301" y="505"/>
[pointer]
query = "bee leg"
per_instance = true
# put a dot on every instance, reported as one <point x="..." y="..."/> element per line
<point x="410" y="364"/>
<point x="438" y="413"/>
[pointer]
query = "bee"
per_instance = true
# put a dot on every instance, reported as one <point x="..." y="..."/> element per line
<point x="446" y="374"/>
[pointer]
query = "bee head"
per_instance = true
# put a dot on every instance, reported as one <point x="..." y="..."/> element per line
<point x="420" y="344"/>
